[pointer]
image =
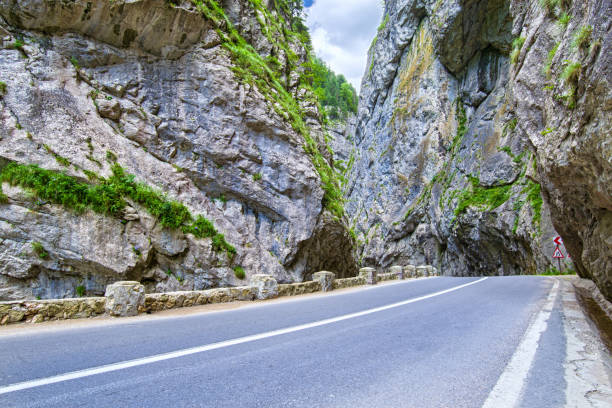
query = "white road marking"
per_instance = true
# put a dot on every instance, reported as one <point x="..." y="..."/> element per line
<point x="214" y="346"/>
<point x="507" y="391"/>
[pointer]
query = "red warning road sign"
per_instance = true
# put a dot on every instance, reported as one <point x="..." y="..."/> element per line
<point x="558" y="240"/>
<point x="558" y="254"/>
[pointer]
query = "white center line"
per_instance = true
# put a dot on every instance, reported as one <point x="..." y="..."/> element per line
<point x="214" y="346"/>
<point x="509" y="387"/>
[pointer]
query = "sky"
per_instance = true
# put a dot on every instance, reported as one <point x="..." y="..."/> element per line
<point x="341" y="33"/>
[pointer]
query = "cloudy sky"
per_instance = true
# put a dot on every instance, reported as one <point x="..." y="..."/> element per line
<point x="341" y="32"/>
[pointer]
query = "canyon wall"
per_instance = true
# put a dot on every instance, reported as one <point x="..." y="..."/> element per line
<point x="483" y="130"/>
<point x="193" y="100"/>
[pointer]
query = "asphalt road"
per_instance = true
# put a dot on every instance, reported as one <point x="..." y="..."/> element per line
<point x="447" y="350"/>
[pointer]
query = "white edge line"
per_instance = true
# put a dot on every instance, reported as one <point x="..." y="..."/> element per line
<point x="509" y="387"/>
<point x="214" y="346"/>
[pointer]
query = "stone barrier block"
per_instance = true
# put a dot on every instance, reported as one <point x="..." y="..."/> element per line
<point x="325" y="279"/>
<point x="397" y="270"/>
<point x="410" y="271"/>
<point x="421" y="270"/>
<point x="124" y="298"/>
<point x="430" y="270"/>
<point x="436" y="272"/>
<point x="265" y="286"/>
<point x="369" y="274"/>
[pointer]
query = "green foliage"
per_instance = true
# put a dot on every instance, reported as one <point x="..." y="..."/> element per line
<point x="564" y="20"/>
<point x="74" y="63"/>
<point x="17" y="44"/>
<point x="257" y="176"/>
<point x="484" y="198"/>
<point x="571" y="72"/>
<point x="534" y="198"/>
<point x="552" y="271"/>
<point x="110" y="156"/>
<point x="547" y="70"/>
<point x="108" y="198"/>
<point x="582" y="37"/>
<point x="3" y="87"/>
<point x="251" y="68"/>
<point x="517" y="44"/>
<point x="337" y="96"/>
<point x="40" y="250"/>
<point x="549" y="5"/>
<point x="80" y="291"/>
<point x="239" y="272"/>
<point x="383" y="23"/>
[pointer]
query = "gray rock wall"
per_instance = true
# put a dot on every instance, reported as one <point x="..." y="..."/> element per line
<point x="152" y="84"/>
<point x="461" y="153"/>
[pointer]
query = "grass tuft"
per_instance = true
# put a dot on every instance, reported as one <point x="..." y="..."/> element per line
<point x="40" y="250"/>
<point x="517" y="44"/>
<point x="108" y="196"/>
<point x="582" y="37"/>
<point x="239" y="272"/>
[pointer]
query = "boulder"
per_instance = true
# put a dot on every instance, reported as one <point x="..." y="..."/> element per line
<point x="265" y="286"/>
<point x="124" y="298"/>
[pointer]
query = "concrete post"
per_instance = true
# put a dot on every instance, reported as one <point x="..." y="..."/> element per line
<point x="325" y="278"/>
<point x="430" y="270"/>
<point x="421" y="270"/>
<point x="124" y="298"/>
<point x="265" y="286"/>
<point x="370" y="275"/>
<point x="410" y="271"/>
<point x="397" y="270"/>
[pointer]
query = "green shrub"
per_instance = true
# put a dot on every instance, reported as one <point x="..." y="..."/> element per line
<point x="564" y="20"/>
<point x="40" y="250"/>
<point x="107" y="197"/>
<point x="547" y="70"/>
<point x="582" y="37"/>
<point x="80" y="291"/>
<point x="17" y="44"/>
<point x="239" y="272"/>
<point x="256" y="176"/>
<point x="3" y="88"/>
<point x="549" y="5"/>
<point x="571" y="72"/>
<point x="484" y="198"/>
<point x="517" y="44"/>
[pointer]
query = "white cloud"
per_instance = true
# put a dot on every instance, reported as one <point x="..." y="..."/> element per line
<point x="341" y="32"/>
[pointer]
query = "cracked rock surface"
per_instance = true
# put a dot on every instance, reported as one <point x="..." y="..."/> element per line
<point x="161" y="97"/>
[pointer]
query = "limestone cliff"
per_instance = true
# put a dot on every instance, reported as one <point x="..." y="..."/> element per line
<point x="483" y="127"/>
<point x="176" y="127"/>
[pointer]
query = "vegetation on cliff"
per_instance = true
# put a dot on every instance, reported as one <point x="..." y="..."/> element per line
<point x="108" y="197"/>
<point x="283" y="27"/>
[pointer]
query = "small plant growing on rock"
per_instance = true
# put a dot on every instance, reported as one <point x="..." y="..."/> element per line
<point x="550" y="5"/>
<point x="571" y="72"/>
<point x="40" y="250"/>
<point x="582" y="37"/>
<point x="17" y="44"/>
<point x="80" y="291"/>
<point x="2" y="88"/>
<point x="564" y="20"/>
<point x="517" y="44"/>
<point x="256" y="176"/>
<point x="239" y="272"/>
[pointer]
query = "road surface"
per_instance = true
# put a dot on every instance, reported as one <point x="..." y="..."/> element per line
<point x="437" y="342"/>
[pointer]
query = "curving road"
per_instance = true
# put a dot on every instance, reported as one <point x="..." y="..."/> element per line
<point x="438" y="342"/>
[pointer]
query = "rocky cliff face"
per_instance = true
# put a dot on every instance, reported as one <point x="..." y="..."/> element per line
<point x="483" y="127"/>
<point x="163" y="91"/>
